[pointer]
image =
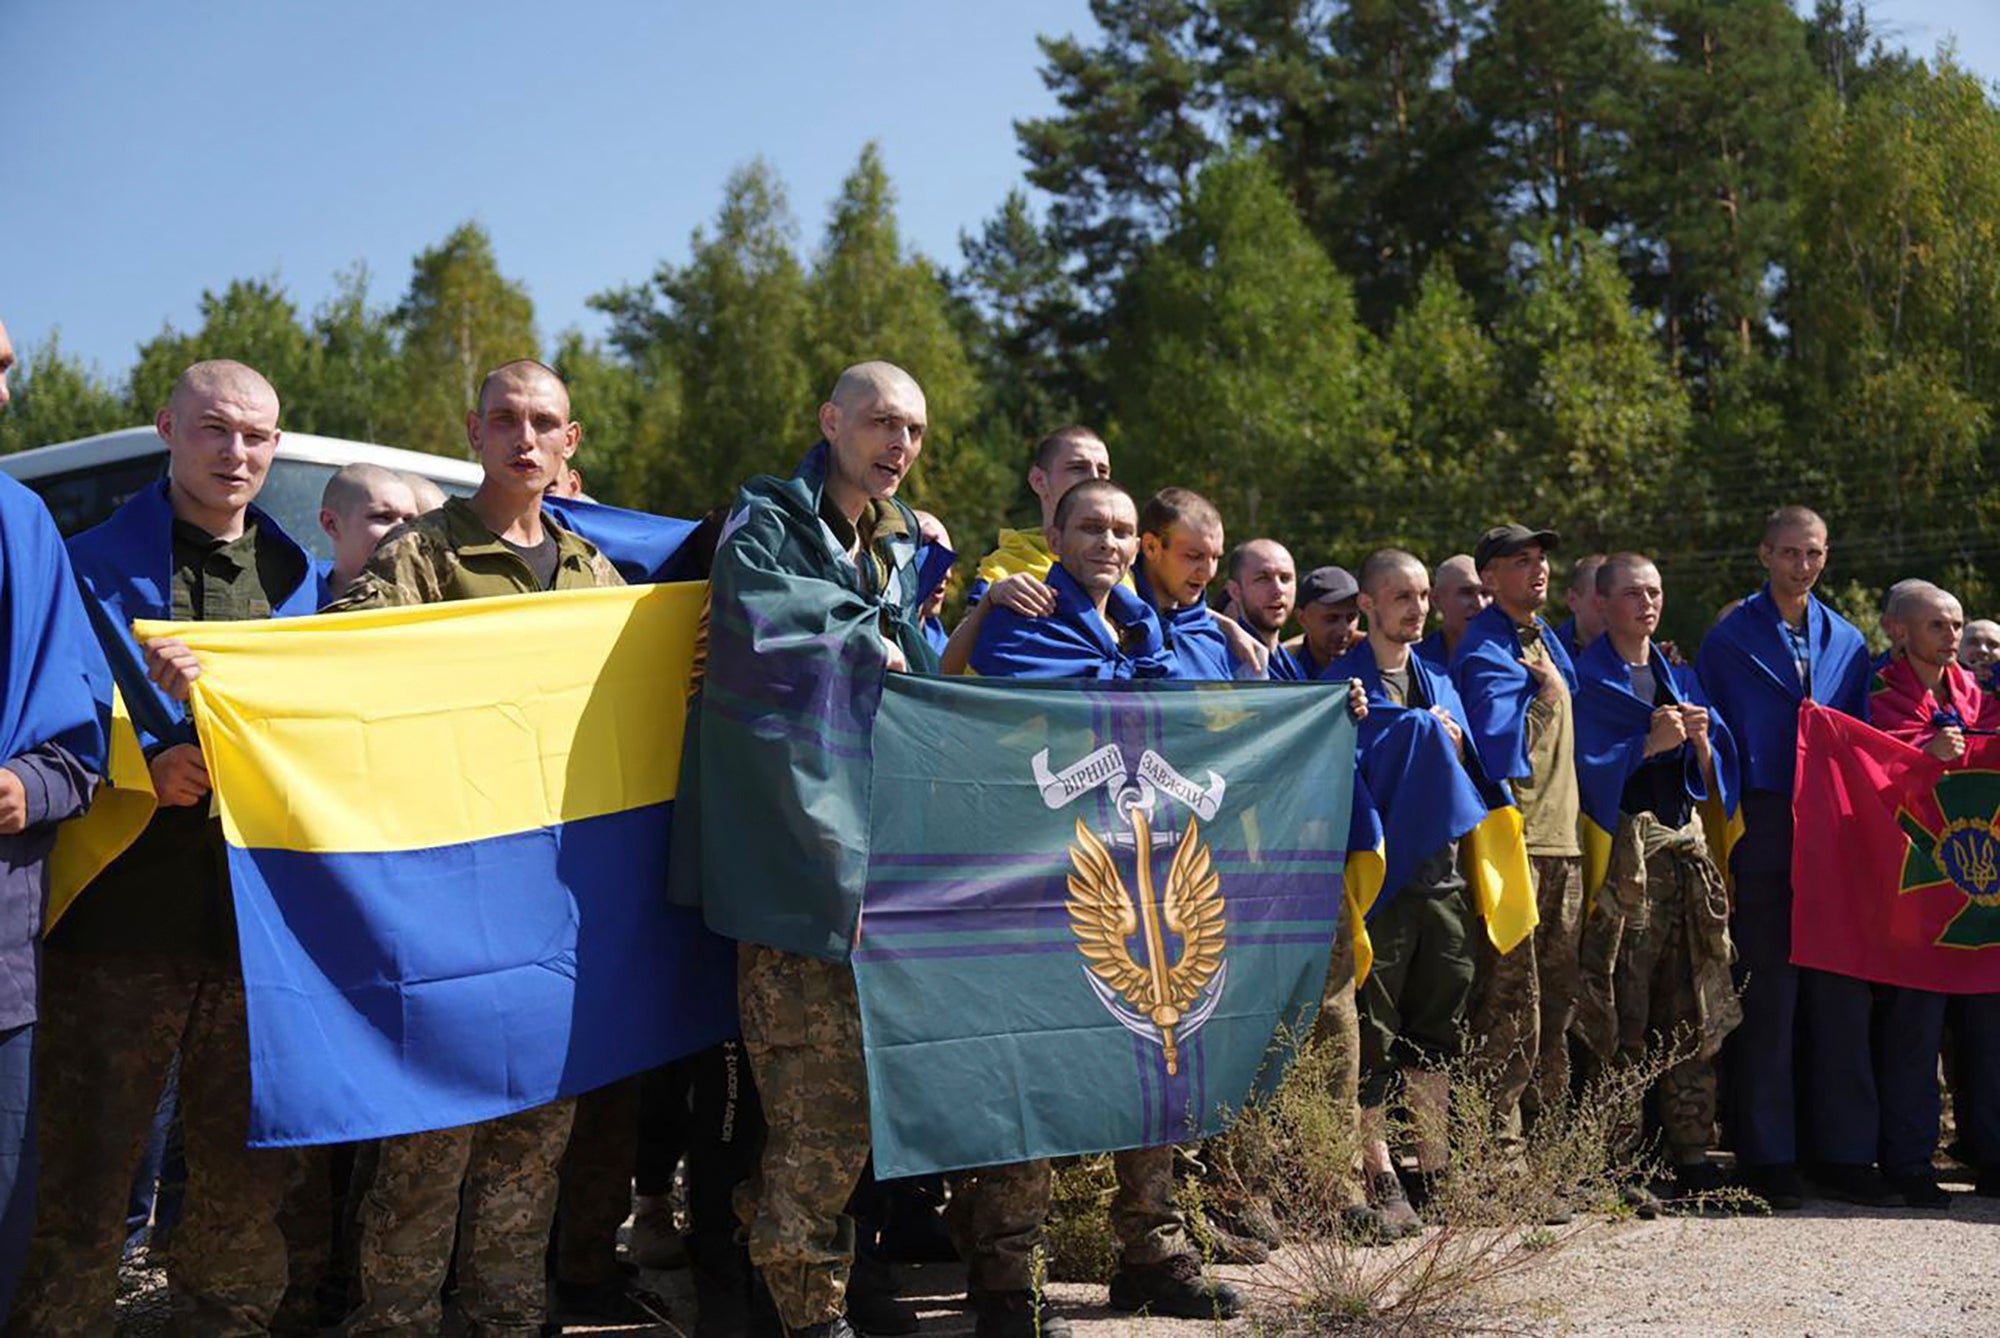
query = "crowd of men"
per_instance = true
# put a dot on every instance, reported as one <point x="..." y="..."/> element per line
<point x="1829" y="1083"/>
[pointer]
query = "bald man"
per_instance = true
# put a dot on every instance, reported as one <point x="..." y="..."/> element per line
<point x="147" y="962"/>
<point x="1459" y="596"/>
<point x="492" y="1185"/>
<point x="1979" y="650"/>
<point x="814" y="575"/>
<point x="1586" y="607"/>
<point x="360" y="505"/>
<point x="429" y="497"/>
<point x="1263" y="586"/>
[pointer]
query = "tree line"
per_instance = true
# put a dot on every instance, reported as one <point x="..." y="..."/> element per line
<point x="1362" y="270"/>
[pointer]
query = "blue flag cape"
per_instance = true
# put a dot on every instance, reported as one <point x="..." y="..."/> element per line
<point x="1746" y="667"/>
<point x="1072" y="642"/>
<point x="646" y="549"/>
<point x="1192" y="635"/>
<point x="1612" y="722"/>
<point x="126" y="566"/>
<point x="1497" y="689"/>
<point x="772" y="812"/>
<point x="1432" y="652"/>
<point x="1411" y="768"/>
<point x="56" y="687"/>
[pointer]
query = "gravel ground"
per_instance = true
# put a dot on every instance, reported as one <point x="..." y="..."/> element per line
<point x="1829" y="1270"/>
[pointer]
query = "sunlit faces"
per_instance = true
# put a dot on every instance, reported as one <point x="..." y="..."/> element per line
<point x="1519" y="581"/>
<point x="1182" y="563"/>
<point x="1634" y="602"/>
<point x="385" y="502"/>
<point x="1933" y="630"/>
<point x="1460" y="597"/>
<point x="1074" y="460"/>
<point x="1266" y="587"/>
<point x="1980" y="646"/>
<point x="522" y="431"/>
<point x="1794" y="557"/>
<point x="1098" y="541"/>
<point x="1330" y="628"/>
<point x="876" y="438"/>
<point x="221" y="434"/>
<point x="1399" y="604"/>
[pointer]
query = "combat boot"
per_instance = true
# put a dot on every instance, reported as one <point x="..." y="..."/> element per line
<point x="1022" y="1314"/>
<point x="655" y="1242"/>
<point x="1175" y="1287"/>
<point x="872" y="1306"/>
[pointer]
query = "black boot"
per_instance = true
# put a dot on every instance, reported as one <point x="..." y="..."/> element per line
<point x="872" y="1306"/>
<point x="1176" y="1287"/>
<point x="1022" y="1314"/>
<point x="730" y="1298"/>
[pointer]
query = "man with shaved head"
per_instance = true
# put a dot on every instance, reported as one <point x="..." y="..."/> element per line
<point x="361" y="504"/>
<point x="146" y="961"/>
<point x="1979" y="650"/>
<point x="1412" y="1008"/>
<point x="1927" y="698"/>
<point x="492" y="1185"/>
<point x="429" y="496"/>
<point x="1264" y="585"/>
<point x="1459" y="597"/>
<point x="1802" y="1047"/>
<point x="1015" y="573"/>
<point x="1586" y="610"/>
<point x="815" y="598"/>
<point x="1656" y="949"/>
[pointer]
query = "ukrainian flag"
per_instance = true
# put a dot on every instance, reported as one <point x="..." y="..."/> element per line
<point x="448" y="837"/>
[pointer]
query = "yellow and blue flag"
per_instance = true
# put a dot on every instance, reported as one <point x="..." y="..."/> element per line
<point x="448" y="838"/>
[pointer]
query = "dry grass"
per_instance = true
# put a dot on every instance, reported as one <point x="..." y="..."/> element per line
<point x="1492" y="1219"/>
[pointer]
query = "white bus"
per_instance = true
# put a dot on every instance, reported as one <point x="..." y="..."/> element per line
<point x="84" y="481"/>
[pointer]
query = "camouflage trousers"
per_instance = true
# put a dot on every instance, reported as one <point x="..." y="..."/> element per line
<point x="110" y="1027"/>
<point x="1338" y="1029"/>
<point x="997" y="1214"/>
<point x="503" y="1173"/>
<point x="1655" y="972"/>
<point x="802" y="1030"/>
<point x="1523" y="1001"/>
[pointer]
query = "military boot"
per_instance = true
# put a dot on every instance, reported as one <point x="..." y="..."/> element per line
<point x="1176" y="1287"/>
<point x="1022" y="1314"/>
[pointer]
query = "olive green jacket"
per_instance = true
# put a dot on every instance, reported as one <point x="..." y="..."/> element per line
<point x="450" y="554"/>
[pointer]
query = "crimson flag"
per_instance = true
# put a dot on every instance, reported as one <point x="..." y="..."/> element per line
<point x="1895" y="858"/>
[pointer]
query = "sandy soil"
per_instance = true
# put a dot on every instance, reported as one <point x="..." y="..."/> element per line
<point x="1830" y="1270"/>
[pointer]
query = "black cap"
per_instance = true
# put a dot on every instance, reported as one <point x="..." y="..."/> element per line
<point x="1328" y="585"/>
<point x="1507" y="540"/>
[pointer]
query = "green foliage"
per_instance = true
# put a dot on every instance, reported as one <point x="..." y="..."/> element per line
<point x="56" y="398"/>
<point x="1236" y="368"/>
<point x="252" y="321"/>
<point x="732" y="329"/>
<point x="459" y="319"/>
<point x="1365" y="271"/>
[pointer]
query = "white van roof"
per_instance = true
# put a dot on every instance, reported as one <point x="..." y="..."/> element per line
<point x="134" y="442"/>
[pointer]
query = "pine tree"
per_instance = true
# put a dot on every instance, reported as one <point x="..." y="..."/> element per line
<point x="459" y="319"/>
<point x="1236" y="367"/>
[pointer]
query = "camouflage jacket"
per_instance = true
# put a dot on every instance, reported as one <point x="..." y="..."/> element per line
<point x="450" y="554"/>
<point x="1652" y="862"/>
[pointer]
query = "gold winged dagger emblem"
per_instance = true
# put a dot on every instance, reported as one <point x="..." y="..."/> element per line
<point x="1169" y="997"/>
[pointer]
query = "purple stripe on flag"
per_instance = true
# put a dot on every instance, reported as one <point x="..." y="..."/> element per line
<point x="971" y="906"/>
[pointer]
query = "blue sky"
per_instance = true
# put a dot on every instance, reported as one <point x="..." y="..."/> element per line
<point x="156" y="149"/>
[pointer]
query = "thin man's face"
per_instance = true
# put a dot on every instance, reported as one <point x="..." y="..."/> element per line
<point x="1794" y="558"/>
